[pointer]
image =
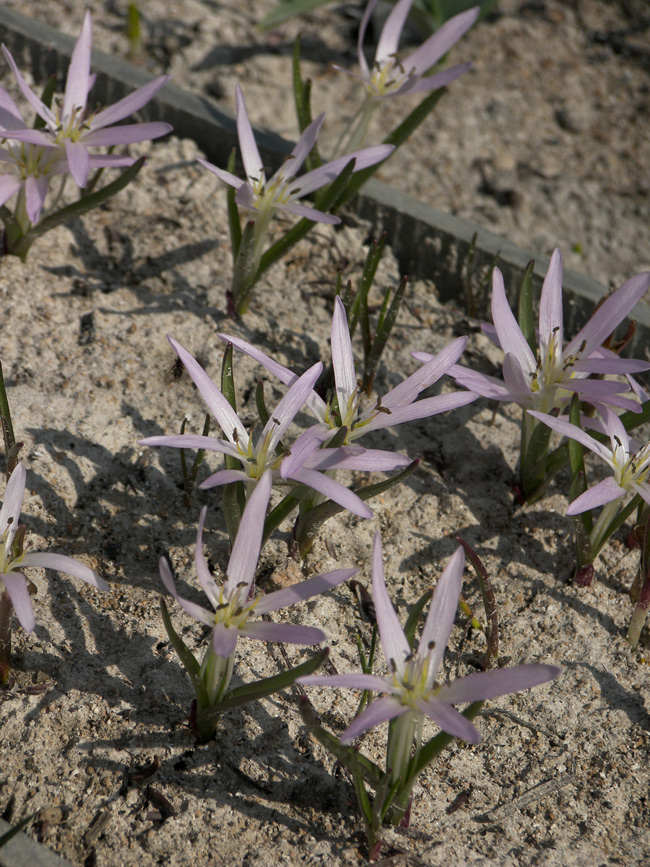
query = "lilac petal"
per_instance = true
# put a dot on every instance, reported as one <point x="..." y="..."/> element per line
<point x="100" y="161"/>
<point x="420" y="409"/>
<point x="192" y="441"/>
<point x="217" y="404"/>
<point x="289" y="406"/>
<point x="250" y="155"/>
<point x="35" y="192"/>
<point x="196" y="611"/>
<point x="379" y="711"/>
<point x="362" y="35"/>
<point x="439" y="44"/>
<point x="245" y="197"/>
<point x="224" y="639"/>
<point x="76" y="85"/>
<point x="78" y="161"/>
<point x="449" y="719"/>
<point x="16" y="586"/>
<point x="431" y="82"/>
<point x="481" y="383"/>
<point x="349" y="681"/>
<point x="205" y="578"/>
<point x="333" y="490"/>
<point x="365" y="157"/>
<point x="396" y="647"/>
<point x="609" y="315"/>
<point x="313" y="214"/>
<point x="517" y="383"/>
<point x="222" y="174"/>
<point x="508" y="331"/>
<point x="306" y="451"/>
<point x="615" y="429"/>
<point x="302" y="149"/>
<point x="127" y="134"/>
<point x="550" y="305"/>
<point x="303" y="590"/>
<point x="30" y="136"/>
<point x="288" y="377"/>
<point x="10" y="117"/>
<point x="130" y="104"/>
<point x="442" y="613"/>
<point x="9" y="186"/>
<point x="342" y="357"/>
<point x="595" y="387"/>
<point x="285" y="633"/>
<point x="39" y="107"/>
<point x="605" y="491"/>
<point x="643" y="490"/>
<point x="224" y="477"/>
<point x="13" y="501"/>
<point x="248" y="541"/>
<point x="613" y="365"/>
<point x="389" y="39"/>
<point x="500" y="681"/>
<point x="410" y="388"/>
<point x="570" y="430"/>
<point x="64" y="564"/>
<point x="356" y="458"/>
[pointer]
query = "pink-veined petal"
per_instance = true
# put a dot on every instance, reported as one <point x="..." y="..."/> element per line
<point x="224" y="639"/>
<point x="614" y="365"/>
<point x="305" y="451"/>
<point x="9" y="186"/>
<point x="437" y="366"/>
<point x="345" y="375"/>
<point x="192" y="441"/>
<point x="442" y="613"/>
<point x="348" y="681"/>
<point x="217" y="404"/>
<point x="250" y="155"/>
<point x="605" y="491"/>
<point x="10" y="117"/>
<point x="222" y="174"/>
<point x="643" y="490"/>
<point x="516" y="380"/>
<point x="570" y="430"/>
<point x="196" y="611"/>
<point x="289" y="406"/>
<point x="508" y="331"/>
<point x="285" y="633"/>
<point x="205" y="578"/>
<point x="313" y="214"/>
<point x="129" y="104"/>
<point x="420" y="409"/>
<point x="333" y="490"/>
<point x="126" y="134"/>
<point x="78" y="161"/>
<point x="430" y="52"/>
<point x="480" y="383"/>
<point x="13" y="501"/>
<point x="431" y="82"/>
<point x="65" y="564"/>
<point x="39" y="107"/>
<point x="356" y="458"/>
<point x="15" y="584"/>
<point x="35" y="192"/>
<point x="388" y="43"/>
<point x="302" y="149"/>
<point x="550" y="305"/>
<point x="393" y="640"/>
<point x="303" y="590"/>
<point x="224" y="477"/>
<point x="379" y="711"/>
<point x="449" y="719"/>
<point x="317" y="178"/>
<point x="500" y="681"/>
<point x="248" y="541"/>
<point x="76" y="85"/>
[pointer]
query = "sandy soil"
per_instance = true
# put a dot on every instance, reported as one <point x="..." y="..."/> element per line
<point x="99" y="694"/>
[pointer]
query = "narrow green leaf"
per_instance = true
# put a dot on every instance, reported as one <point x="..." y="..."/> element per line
<point x="289" y="9"/>
<point x="260" y="403"/>
<point x="234" y="223"/>
<point x="387" y="320"/>
<point x="526" y="320"/>
<point x="185" y="655"/>
<point x="414" y="616"/>
<point x="11" y="833"/>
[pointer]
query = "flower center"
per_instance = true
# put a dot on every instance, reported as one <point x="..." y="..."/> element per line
<point x="630" y="468"/>
<point x="234" y="611"/>
<point x="382" y="81"/>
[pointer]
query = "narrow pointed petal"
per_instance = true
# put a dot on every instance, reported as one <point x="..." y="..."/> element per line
<point x="333" y="490"/>
<point x="303" y="590"/>
<point x="481" y="383"/>
<point x="290" y="405"/>
<point x="196" y="611"/>
<point x="130" y="104"/>
<point x="605" y="491"/>
<point x="16" y="586"/>
<point x="388" y="43"/>
<point x="437" y="366"/>
<point x="222" y="174"/>
<point x="9" y="186"/>
<point x="313" y="214"/>
<point x="507" y="328"/>
<point x="76" y="86"/>
<point x="245" y="197"/>
<point x="302" y="149"/>
<point x="442" y="613"/>
<point x="306" y="451"/>
<point x="224" y="477"/>
<point x="248" y="541"/>
<point x="35" y="193"/>
<point x="78" y="161"/>
<point x="449" y="719"/>
<point x="192" y="441"/>
<point x="365" y="72"/>
<point x="570" y="430"/>
<point x="420" y="409"/>
<point x="217" y="404"/>
<point x="609" y="315"/>
<point x="613" y="365"/>
<point x="500" y="681"/>
<point x="431" y="82"/>
<point x="39" y="107"/>
<point x="345" y="375"/>
<point x="393" y="640"/>
<point x="250" y="155"/>
<point x="224" y="640"/>
<point x="285" y="633"/>
<point x="13" y="501"/>
<point x="356" y="458"/>
<point x="643" y="490"/>
<point x="379" y="711"/>
<point x="550" y="304"/>
<point x="10" y="117"/>
<point x="64" y="564"/>
<point x="348" y="681"/>
<point x="517" y="380"/>
<point x="205" y="578"/>
<point x="126" y="134"/>
<point x="365" y="157"/>
<point x="439" y="44"/>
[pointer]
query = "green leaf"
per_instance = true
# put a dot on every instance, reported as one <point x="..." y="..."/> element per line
<point x="385" y="325"/>
<point x="234" y="223"/>
<point x="185" y="655"/>
<point x="233" y="499"/>
<point x="414" y="616"/>
<point x="244" y="277"/>
<point x="526" y="320"/>
<point x="289" y="9"/>
<point x="11" y="833"/>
